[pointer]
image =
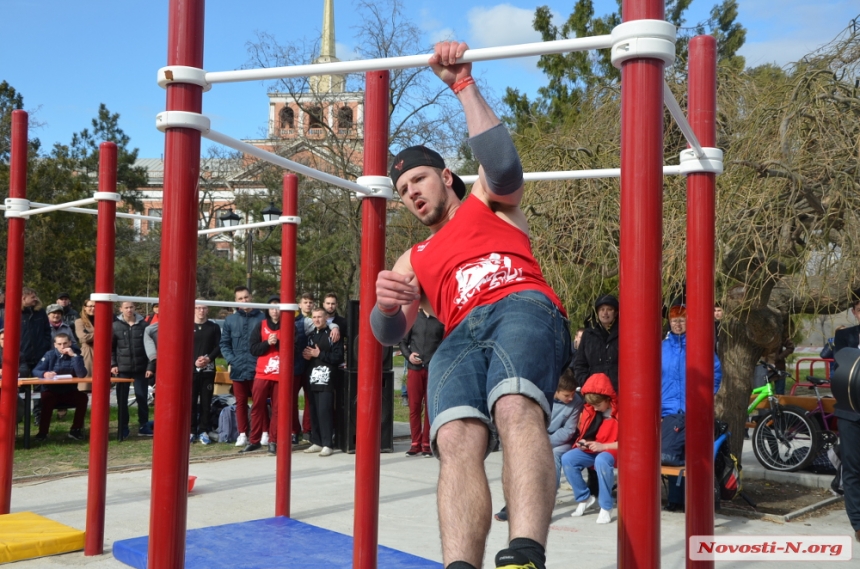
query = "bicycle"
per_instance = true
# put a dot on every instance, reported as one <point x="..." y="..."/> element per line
<point x="785" y="437"/>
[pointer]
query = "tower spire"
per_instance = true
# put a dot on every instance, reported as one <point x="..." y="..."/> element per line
<point x="327" y="83"/>
<point x="327" y="48"/>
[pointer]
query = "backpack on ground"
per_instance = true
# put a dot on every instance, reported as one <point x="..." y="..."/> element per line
<point x="726" y="468"/>
<point x="228" y="431"/>
<point x="835" y="457"/>
<point x="672" y="439"/>
<point x="219" y="402"/>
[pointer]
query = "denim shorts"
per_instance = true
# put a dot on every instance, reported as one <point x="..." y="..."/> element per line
<point x="517" y="345"/>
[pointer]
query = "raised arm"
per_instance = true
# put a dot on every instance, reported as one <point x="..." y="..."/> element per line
<point x="500" y="176"/>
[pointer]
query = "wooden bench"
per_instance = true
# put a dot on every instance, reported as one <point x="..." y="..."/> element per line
<point x="222" y="383"/>
<point x="673" y="470"/>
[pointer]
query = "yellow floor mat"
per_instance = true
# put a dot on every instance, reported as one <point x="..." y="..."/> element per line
<point x="26" y="535"/>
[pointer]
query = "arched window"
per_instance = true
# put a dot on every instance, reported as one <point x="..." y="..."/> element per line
<point x="315" y="120"/>
<point x="288" y="118"/>
<point x="344" y="118"/>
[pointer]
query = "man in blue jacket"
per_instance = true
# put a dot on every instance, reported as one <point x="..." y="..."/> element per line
<point x="236" y="349"/>
<point x="674" y="385"/>
<point x="63" y="359"/>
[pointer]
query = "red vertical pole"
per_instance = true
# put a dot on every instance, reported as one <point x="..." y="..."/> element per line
<point x="640" y="299"/>
<point x="100" y="413"/>
<point x="367" y="442"/>
<point x="14" y="285"/>
<point x="701" y="197"/>
<point x="167" y="519"/>
<point x="289" y="232"/>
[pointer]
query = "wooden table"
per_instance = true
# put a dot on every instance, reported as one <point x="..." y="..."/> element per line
<point x="27" y="381"/>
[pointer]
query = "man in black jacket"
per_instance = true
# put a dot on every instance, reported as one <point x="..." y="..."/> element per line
<point x="324" y="356"/>
<point x="849" y="427"/>
<point x="128" y="359"/>
<point x="598" y="349"/>
<point x="35" y="333"/>
<point x="207" y="347"/>
<point x="418" y="348"/>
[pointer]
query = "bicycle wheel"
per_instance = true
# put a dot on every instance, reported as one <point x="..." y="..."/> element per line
<point x="786" y="439"/>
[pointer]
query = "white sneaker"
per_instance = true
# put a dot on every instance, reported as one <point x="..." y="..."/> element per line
<point x="264" y="440"/>
<point x="604" y="517"/>
<point x="583" y="506"/>
<point x="326" y="451"/>
<point x="312" y="449"/>
<point x="242" y="440"/>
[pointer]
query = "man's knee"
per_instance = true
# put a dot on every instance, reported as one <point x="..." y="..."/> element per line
<point x="462" y="437"/>
<point x="516" y="406"/>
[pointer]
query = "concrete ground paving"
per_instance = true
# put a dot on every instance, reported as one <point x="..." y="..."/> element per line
<point x="323" y="490"/>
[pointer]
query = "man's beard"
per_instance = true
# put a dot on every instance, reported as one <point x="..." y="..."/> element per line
<point x="436" y="214"/>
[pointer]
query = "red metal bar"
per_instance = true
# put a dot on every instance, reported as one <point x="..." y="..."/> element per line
<point x="368" y="421"/>
<point x="701" y="186"/>
<point x="100" y="412"/>
<point x="800" y="380"/>
<point x="167" y="521"/>
<point x="289" y="232"/>
<point x="14" y="285"/>
<point x="640" y="301"/>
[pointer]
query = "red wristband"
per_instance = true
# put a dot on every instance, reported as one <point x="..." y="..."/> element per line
<point x="462" y="84"/>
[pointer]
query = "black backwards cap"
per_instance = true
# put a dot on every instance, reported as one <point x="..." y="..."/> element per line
<point x="415" y="156"/>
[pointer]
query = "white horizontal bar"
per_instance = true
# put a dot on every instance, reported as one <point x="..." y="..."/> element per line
<point x="118" y="214"/>
<point x="56" y="207"/>
<point x="235" y="144"/>
<point x="575" y="174"/>
<point x="238" y="227"/>
<point x="407" y="61"/>
<point x="681" y="119"/>
<point x="217" y="303"/>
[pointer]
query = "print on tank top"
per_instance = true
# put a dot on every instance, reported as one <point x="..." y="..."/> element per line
<point x="492" y="271"/>
<point x="273" y="365"/>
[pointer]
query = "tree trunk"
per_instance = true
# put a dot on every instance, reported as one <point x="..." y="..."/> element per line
<point x="744" y="338"/>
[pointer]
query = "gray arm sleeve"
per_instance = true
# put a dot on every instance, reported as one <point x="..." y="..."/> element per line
<point x="496" y="152"/>
<point x="389" y="330"/>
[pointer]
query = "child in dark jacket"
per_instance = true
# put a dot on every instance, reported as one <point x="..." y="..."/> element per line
<point x="63" y="359"/>
<point x="597" y="447"/>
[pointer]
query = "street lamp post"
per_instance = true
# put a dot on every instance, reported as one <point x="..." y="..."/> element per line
<point x="230" y="219"/>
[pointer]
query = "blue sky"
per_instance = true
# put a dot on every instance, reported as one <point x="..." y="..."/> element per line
<point x="67" y="57"/>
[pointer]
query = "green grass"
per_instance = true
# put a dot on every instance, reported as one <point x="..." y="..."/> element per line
<point x="60" y="454"/>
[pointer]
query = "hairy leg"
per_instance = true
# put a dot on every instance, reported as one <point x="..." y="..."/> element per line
<point x="528" y="471"/>
<point x="463" y="496"/>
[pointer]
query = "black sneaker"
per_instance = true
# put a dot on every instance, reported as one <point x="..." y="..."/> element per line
<point x="510" y="559"/>
<point x="41" y="438"/>
<point x="295" y="439"/>
<point x="76" y="434"/>
<point x="273" y="449"/>
<point x="251" y="447"/>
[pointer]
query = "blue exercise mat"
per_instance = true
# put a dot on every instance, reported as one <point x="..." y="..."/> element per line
<point x="272" y="543"/>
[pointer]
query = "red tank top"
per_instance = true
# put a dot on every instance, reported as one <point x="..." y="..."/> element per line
<point x="269" y="365"/>
<point x="476" y="259"/>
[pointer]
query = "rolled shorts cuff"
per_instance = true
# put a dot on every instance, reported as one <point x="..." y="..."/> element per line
<point x="519" y="386"/>
<point x="457" y="414"/>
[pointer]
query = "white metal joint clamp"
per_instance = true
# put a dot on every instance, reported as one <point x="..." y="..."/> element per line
<point x="379" y="186"/>
<point x="288" y="307"/>
<point x="14" y="207"/>
<point x="173" y="74"/>
<point x="712" y="161"/>
<point x="182" y="119"/>
<point x="103" y="297"/>
<point x="107" y="196"/>
<point x="294" y="219"/>
<point x="653" y="39"/>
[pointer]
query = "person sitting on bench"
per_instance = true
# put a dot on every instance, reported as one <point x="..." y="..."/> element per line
<point x="63" y="359"/>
